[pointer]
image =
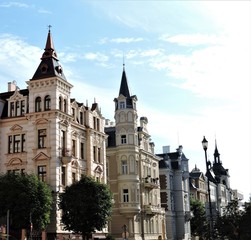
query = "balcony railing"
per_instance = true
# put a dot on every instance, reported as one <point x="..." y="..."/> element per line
<point x="151" y="182"/>
<point x="153" y="209"/>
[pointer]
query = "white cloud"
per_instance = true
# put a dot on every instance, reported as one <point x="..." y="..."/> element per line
<point x="17" y="59"/>
<point x="43" y="11"/>
<point x="96" y="56"/>
<point x="126" y="40"/>
<point x="193" y="39"/>
<point x="14" y="4"/>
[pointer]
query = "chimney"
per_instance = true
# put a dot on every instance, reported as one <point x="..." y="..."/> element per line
<point x="166" y="149"/>
<point x="12" y="86"/>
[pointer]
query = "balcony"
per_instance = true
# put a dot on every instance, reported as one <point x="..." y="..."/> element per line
<point x="151" y="182"/>
<point x="129" y="208"/>
<point x="66" y="156"/>
<point x="153" y="209"/>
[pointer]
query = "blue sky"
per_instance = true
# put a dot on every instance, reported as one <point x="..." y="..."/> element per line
<point x="188" y="62"/>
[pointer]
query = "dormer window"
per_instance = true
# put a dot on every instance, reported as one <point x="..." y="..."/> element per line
<point x="47" y="103"/>
<point x="121" y="105"/>
<point x="38" y="104"/>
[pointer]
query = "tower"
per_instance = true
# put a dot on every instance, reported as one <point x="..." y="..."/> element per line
<point x="133" y="174"/>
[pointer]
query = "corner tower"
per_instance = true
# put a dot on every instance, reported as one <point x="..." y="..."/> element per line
<point x="126" y="114"/>
<point x="133" y="173"/>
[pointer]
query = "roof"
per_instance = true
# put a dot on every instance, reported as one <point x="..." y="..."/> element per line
<point x="124" y="89"/>
<point x="49" y="65"/>
<point x="110" y="131"/>
<point x="6" y="95"/>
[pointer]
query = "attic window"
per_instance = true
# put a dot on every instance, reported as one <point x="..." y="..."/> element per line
<point x="44" y="68"/>
<point x="121" y="105"/>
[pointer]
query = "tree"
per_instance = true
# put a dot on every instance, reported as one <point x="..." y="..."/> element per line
<point x="86" y="206"/>
<point x="198" y="222"/>
<point x="245" y="230"/>
<point x="235" y="222"/>
<point x="27" y="199"/>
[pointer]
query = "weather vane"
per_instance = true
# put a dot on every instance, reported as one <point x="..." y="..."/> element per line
<point x="49" y="27"/>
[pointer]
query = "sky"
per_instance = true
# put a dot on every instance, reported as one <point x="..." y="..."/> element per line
<point x="188" y="62"/>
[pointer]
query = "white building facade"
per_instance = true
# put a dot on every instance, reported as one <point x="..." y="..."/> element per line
<point x="46" y="132"/>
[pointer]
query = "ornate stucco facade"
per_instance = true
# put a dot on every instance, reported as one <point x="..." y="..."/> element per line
<point x="46" y="132"/>
<point x="133" y="173"/>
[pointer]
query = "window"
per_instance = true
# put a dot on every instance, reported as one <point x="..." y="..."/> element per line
<point x="47" y="103"/>
<point x="121" y="105"/>
<point x="73" y="112"/>
<point x="99" y="155"/>
<point x="98" y="124"/>
<point x="12" y="109"/>
<point x="82" y="150"/>
<point x="16" y="143"/>
<point x="94" y="123"/>
<point x="94" y="153"/>
<point x="60" y="103"/>
<point x="63" y="139"/>
<point x="73" y="148"/>
<point x="41" y="138"/>
<point x="22" y="107"/>
<point x="63" y="176"/>
<point x="124" y="167"/>
<point x="17" y="108"/>
<point x="125" y="195"/>
<point x="81" y="118"/>
<point x="123" y="139"/>
<point x="73" y="176"/>
<point x="65" y="106"/>
<point x="38" y="104"/>
<point x="42" y="173"/>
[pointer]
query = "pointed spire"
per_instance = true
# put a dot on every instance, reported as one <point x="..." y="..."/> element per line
<point x="49" y="50"/>
<point x="124" y="89"/>
<point x="49" y="65"/>
<point x="216" y="154"/>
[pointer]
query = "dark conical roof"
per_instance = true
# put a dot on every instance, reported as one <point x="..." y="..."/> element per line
<point x="49" y="65"/>
<point x="124" y="89"/>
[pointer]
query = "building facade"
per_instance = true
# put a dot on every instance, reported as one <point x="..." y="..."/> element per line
<point x="133" y="173"/>
<point x="46" y="132"/>
<point x="174" y="184"/>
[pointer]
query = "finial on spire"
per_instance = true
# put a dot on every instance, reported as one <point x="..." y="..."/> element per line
<point x="49" y="27"/>
<point x="123" y="61"/>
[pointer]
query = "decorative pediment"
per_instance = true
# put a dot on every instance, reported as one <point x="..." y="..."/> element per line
<point x="75" y="164"/>
<point x="16" y="128"/>
<point x="16" y="96"/>
<point x="64" y="123"/>
<point x="41" y="121"/>
<point x="98" y="170"/>
<point x="41" y="157"/>
<point x="15" y="162"/>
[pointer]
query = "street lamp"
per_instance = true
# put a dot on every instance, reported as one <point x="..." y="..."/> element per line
<point x="205" y="145"/>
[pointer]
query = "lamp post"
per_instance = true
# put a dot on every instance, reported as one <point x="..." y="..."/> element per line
<point x="205" y="145"/>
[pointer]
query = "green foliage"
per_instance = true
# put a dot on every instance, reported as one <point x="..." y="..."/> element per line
<point x="25" y="196"/>
<point x="235" y="222"/>
<point x="198" y="222"/>
<point x="86" y="206"/>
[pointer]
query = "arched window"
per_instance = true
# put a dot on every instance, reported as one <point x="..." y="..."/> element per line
<point x="60" y="103"/>
<point x="38" y="104"/>
<point x="47" y="103"/>
<point x="65" y="105"/>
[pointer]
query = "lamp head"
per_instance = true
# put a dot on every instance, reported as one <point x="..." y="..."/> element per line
<point x="204" y="143"/>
